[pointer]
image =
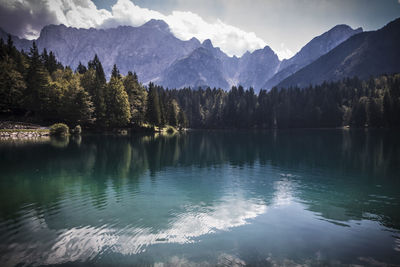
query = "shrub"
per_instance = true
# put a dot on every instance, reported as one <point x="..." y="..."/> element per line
<point x="77" y="129"/>
<point x="171" y="130"/>
<point x="59" y="129"/>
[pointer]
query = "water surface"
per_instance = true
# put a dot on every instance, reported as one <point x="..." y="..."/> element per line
<point x="301" y="197"/>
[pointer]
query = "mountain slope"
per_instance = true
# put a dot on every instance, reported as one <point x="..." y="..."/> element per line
<point x="147" y="49"/>
<point x="20" y="44"/>
<point x="208" y="65"/>
<point x="199" y="69"/>
<point x="317" y="47"/>
<point x="257" y="67"/>
<point x="362" y="55"/>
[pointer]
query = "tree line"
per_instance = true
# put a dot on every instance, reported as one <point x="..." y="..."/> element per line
<point x="35" y="86"/>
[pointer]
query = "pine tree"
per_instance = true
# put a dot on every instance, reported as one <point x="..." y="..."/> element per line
<point x="173" y="111"/>
<point x="12" y="87"/>
<point x="98" y="67"/>
<point x="115" y="72"/>
<point x="94" y="82"/>
<point x="153" y="106"/>
<point x="52" y="64"/>
<point x="182" y="119"/>
<point x="37" y="80"/>
<point x="74" y="103"/>
<point x="118" y="110"/>
<point x="81" y="69"/>
<point x="137" y="98"/>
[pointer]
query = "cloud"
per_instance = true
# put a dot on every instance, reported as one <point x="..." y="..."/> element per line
<point x="25" y="18"/>
<point x="78" y="13"/>
<point x="33" y="15"/>
<point x="284" y="52"/>
<point x="230" y="39"/>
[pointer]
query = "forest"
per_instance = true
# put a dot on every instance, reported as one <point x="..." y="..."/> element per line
<point x="35" y="87"/>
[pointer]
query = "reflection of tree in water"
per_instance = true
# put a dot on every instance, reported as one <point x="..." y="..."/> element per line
<point x="354" y="162"/>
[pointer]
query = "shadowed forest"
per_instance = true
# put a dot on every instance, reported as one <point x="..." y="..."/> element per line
<point x="35" y="87"/>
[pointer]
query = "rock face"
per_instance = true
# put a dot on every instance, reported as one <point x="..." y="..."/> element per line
<point x="208" y="65"/>
<point x="362" y="55"/>
<point x="155" y="54"/>
<point x="20" y="44"/>
<point x="199" y="69"/>
<point x="148" y="49"/>
<point x="317" y="47"/>
<point x="258" y="67"/>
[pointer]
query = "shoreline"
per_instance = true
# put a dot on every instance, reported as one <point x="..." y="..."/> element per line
<point x="24" y="131"/>
<point x="21" y="134"/>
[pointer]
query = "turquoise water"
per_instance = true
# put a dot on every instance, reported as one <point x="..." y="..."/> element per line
<point x="301" y="197"/>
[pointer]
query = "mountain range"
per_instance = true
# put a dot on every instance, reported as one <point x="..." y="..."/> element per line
<point x="363" y="55"/>
<point x="156" y="55"/>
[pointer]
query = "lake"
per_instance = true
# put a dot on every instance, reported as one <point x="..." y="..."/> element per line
<point x="273" y="198"/>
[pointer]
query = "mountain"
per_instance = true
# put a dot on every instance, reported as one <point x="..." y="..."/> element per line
<point x="362" y="55"/>
<point x="208" y="65"/>
<point x="257" y="67"/>
<point x="199" y="69"/>
<point x="148" y="49"/>
<point x="317" y="47"/>
<point x="20" y="44"/>
<point x="155" y="54"/>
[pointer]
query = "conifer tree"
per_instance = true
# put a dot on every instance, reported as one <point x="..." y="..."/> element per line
<point x="137" y="98"/>
<point x="115" y="72"/>
<point x="153" y="106"/>
<point x="12" y="87"/>
<point x="94" y="82"/>
<point x="81" y="69"/>
<point x="37" y="80"/>
<point x="118" y="110"/>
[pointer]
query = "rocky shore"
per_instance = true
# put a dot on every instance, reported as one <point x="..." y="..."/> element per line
<point x="20" y="130"/>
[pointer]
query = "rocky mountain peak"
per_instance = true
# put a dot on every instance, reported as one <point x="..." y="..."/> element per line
<point x="317" y="47"/>
<point x="158" y="24"/>
<point x="207" y="44"/>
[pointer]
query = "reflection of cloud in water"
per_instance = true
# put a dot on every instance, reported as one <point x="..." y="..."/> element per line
<point x="199" y="221"/>
<point x="81" y="244"/>
<point x="283" y="191"/>
<point x="223" y="259"/>
<point x="397" y="243"/>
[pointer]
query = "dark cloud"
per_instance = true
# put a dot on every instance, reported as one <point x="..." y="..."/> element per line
<point x="23" y="19"/>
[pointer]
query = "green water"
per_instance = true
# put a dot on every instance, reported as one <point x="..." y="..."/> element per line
<point x="308" y="197"/>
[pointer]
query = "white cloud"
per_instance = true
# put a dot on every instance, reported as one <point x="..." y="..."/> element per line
<point x="78" y="13"/>
<point x="284" y="52"/>
<point x="230" y="39"/>
<point x="183" y="24"/>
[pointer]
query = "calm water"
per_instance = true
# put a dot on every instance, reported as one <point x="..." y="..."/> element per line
<point x="308" y="197"/>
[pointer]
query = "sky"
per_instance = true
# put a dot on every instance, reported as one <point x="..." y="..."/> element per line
<point x="236" y="26"/>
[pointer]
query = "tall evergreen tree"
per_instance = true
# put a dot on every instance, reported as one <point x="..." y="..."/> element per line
<point x="153" y="106"/>
<point x="115" y="72"/>
<point x="118" y="110"/>
<point x="137" y="96"/>
<point x="81" y="69"/>
<point x="94" y="82"/>
<point x="37" y="80"/>
<point x="12" y="87"/>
